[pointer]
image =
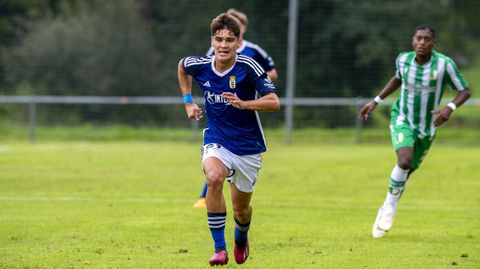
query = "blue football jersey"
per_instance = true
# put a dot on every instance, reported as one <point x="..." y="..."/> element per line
<point x="238" y="130"/>
<point x="255" y="52"/>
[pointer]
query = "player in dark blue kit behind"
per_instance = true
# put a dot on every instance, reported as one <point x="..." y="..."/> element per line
<point x="235" y="88"/>
<point x="251" y="50"/>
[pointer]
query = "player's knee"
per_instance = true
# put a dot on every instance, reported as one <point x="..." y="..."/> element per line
<point x="405" y="163"/>
<point x="405" y="159"/>
<point x="214" y="178"/>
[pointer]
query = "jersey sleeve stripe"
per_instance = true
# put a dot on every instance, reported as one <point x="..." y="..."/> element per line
<point x="256" y="69"/>
<point x="400" y="63"/>
<point x="197" y="60"/>
<point x="255" y="66"/>
<point x="398" y="74"/>
<point x="453" y="75"/>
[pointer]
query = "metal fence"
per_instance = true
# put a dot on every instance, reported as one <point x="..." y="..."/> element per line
<point x="33" y="102"/>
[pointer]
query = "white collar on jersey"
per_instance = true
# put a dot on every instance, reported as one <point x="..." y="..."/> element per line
<point x="226" y="71"/>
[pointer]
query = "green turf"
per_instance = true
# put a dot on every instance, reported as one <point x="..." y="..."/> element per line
<point x="128" y="204"/>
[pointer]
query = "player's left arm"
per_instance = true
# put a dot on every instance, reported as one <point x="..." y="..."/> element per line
<point x="268" y="102"/>
<point x="444" y="113"/>
<point x="456" y="81"/>
<point x="260" y="82"/>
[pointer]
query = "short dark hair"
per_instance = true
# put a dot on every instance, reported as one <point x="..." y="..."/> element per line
<point x="225" y="21"/>
<point x="426" y="27"/>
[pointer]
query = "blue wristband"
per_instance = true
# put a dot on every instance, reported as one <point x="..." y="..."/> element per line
<point x="187" y="98"/>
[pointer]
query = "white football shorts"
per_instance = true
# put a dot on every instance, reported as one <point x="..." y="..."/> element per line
<point x="243" y="170"/>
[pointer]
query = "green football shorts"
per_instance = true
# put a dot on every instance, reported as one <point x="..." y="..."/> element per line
<point x="402" y="136"/>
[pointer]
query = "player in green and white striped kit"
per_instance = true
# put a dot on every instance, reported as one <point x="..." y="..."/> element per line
<point x="422" y="75"/>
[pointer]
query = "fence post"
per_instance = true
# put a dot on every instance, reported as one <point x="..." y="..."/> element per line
<point x="291" y="67"/>
<point x="32" y="115"/>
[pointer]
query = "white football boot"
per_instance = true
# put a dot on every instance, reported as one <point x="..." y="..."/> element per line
<point x="384" y="221"/>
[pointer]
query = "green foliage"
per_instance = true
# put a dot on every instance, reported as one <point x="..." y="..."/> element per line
<point x="104" y="49"/>
<point x="348" y="48"/>
<point x="15" y="14"/>
<point x="345" y="48"/>
<point x="129" y="205"/>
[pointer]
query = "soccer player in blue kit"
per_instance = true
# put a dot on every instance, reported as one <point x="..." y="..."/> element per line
<point x="253" y="51"/>
<point x="235" y="88"/>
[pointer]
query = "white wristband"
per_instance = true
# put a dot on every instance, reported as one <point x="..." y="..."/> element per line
<point x="377" y="99"/>
<point x="452" y="106"/>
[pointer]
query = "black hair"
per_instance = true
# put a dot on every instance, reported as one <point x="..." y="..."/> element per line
<point x="426" y="27"/>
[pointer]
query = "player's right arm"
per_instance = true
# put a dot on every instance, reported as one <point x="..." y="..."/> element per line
<point x="185" y="83"/>
<point x="368" y="108"/>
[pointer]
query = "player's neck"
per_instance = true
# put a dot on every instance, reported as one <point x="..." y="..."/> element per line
<point x="422" y="59"/>
<point x="222" y="66"/>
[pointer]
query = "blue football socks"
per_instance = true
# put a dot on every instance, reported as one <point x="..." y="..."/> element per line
<point x="241" y="233"/>
<point x="216" y="223"/>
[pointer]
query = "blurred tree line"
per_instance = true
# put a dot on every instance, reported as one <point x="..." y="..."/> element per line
<point x="346" y="48"/>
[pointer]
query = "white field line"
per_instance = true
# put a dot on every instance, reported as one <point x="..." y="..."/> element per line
<point x="414" y="207"/>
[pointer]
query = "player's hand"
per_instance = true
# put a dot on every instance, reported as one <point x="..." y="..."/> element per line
<point x="193" y="111"/>
<point x="441" y="115"/>
<point x="234" y="100"/>
<point x="366" y="110"/>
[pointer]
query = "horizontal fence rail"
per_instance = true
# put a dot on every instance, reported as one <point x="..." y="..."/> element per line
<point x="172" y="100"/>
<point x="33" y="101"/>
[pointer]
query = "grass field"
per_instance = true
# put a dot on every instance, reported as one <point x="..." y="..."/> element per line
<point x="128" y="204"/>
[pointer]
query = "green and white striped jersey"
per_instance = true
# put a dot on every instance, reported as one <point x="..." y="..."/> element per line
<point x="422" y="89"/>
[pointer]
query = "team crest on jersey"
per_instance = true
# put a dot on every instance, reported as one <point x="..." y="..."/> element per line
<point x="434" y="75"/>
<point x="233" y="82"/>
